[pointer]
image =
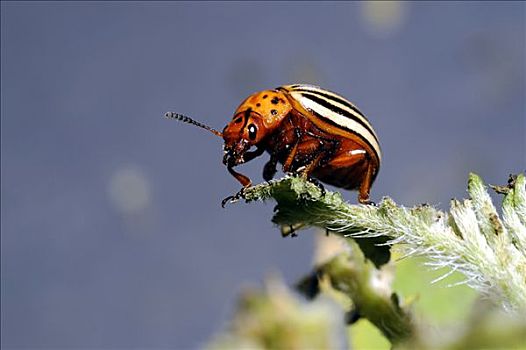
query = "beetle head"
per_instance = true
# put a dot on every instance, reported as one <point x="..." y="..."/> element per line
<point x="257" y="117"/>
<point x="244" y="131"/>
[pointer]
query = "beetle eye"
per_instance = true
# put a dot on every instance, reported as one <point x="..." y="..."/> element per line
<point x="252" y="131"/>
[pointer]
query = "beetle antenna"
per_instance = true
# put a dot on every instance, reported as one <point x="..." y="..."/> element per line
<point x="185" y="119"/>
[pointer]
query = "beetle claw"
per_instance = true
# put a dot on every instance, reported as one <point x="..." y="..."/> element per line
<point x="318" y="184"/>
<point x="232" y="199"/>
<point x="369" y="202"/>
<point x="226" y="200"/>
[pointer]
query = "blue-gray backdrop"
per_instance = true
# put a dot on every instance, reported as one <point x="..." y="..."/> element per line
<point x="112" y="232"/>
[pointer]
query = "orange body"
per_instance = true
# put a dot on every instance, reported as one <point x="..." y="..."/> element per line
<point x="310" y="131"/>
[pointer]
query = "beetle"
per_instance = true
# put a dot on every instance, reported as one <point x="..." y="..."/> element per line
<point x="311" y="131"/>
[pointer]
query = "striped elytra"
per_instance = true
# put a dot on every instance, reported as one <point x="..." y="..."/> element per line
<point x="312" y="132"/>
<point x="336" y="110"/>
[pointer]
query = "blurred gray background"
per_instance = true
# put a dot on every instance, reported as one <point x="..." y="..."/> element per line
<point x="112" y="230"/>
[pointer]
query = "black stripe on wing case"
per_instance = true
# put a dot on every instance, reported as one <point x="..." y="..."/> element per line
<point x="333" y="108"/>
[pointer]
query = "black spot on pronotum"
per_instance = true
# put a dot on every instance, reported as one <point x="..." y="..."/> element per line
<point x="238" y="120"/>
<point x="273" y="111"/>
<point x="258" y="104"/>
<point x="275" y="101"/>
<point x="265" y="96"/>
<point x="247" y="116"/>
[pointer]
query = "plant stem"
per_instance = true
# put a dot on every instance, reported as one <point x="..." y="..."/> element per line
<point x="471" y="238"/>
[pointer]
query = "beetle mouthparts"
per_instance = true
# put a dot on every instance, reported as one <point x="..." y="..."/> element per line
<point x="229" y="158"/>
<point x="232" y="157"/>
<point x="226" y="158"/>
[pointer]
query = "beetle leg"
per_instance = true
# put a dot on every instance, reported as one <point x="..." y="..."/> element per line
<point x="234" y="198"/>
<point x="231" y="199"/>
<point x="270" y="169"/>
<point x="290" y="158"/>
<point x="248" y="156"/>
<point x="318" y="184"/>
<point x="320" y="150"/>
<point x="307" y="170"/>
<point x="244" y="180"/>
<point x="347" y="161"/>
<point x="365" y="186"/>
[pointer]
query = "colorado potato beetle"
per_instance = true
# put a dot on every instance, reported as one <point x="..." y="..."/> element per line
<point x="312" y="132"/>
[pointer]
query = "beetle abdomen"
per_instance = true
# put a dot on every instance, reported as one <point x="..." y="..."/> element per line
<point x="348" y="178"/>
<point x="347" y="167"/>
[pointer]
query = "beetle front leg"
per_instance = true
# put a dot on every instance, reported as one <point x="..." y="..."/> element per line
<point x="248" y="156"/>
<point x="244" y="180"/>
